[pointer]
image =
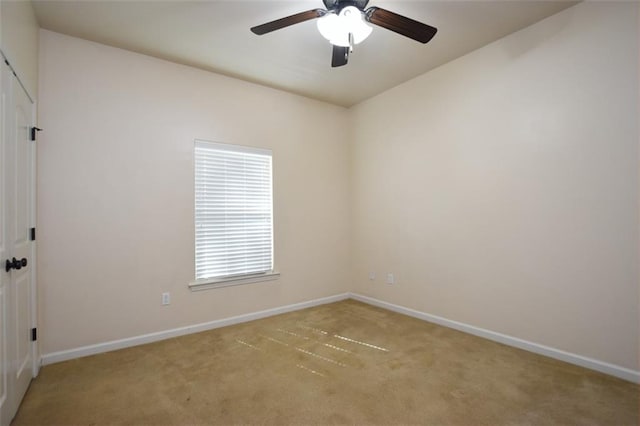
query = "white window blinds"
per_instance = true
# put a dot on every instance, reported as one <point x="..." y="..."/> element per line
<point x="233" y="210"/>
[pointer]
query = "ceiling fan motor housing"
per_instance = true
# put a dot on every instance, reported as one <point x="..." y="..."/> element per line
<point x="338" y="5"/>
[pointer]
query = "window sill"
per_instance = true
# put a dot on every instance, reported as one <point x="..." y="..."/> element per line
<point x="211" y="283"/>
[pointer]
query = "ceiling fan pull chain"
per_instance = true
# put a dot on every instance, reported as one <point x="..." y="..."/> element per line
<point x="350" y="42"/>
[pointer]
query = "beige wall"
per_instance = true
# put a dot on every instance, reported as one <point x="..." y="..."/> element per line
<point x="115" y="192"/>
<point x="502" y="188"/>
<point x="19" y="41"/>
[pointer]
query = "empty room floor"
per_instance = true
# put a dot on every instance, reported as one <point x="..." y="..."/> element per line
<point x="341" y="363"/>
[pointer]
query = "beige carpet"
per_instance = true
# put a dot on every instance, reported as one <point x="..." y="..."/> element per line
<point x="343" y="363"/>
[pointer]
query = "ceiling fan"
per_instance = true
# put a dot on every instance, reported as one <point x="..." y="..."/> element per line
<point x="345" y="23"/>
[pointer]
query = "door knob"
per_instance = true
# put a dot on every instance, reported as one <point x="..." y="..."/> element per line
<point x="15" y="264"/>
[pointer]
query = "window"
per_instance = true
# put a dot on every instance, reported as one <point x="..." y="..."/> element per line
<point x="233" y="214"/>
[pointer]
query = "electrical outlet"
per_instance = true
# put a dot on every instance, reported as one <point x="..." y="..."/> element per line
<point x="166" y="298"/>
<point x="391" y="279"/>
<point x="372" y="276"/>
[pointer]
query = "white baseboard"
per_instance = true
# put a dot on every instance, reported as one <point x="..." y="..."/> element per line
<point x="54" y="357"/>
<point x="593" y="364"/>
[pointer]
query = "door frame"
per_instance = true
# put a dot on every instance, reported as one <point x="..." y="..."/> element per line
<point x="35" y="354"/>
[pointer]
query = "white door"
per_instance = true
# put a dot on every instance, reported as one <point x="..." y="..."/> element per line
<point x="16" y="247"/>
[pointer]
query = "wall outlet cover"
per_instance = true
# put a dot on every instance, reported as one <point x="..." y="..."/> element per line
<point x="166" y="298"/>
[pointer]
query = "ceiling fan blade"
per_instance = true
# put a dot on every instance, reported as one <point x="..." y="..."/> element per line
<point x="340" y="56"/>
<point x="400" y="24"/>
<point x="289" y="20"/>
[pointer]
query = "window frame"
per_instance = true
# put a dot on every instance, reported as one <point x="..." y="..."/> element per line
<point x="240" y="279"/>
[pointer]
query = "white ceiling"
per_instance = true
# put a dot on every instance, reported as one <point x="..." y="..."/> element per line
<point x="214" y="35"/>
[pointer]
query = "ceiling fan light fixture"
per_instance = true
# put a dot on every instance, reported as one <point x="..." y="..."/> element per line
<point x="337" y="27"/>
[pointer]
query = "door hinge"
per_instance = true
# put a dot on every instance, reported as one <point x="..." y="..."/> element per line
<point x="33" y="234"/>
<point x="33" y="132"/>
<point x="34" y="334"/>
